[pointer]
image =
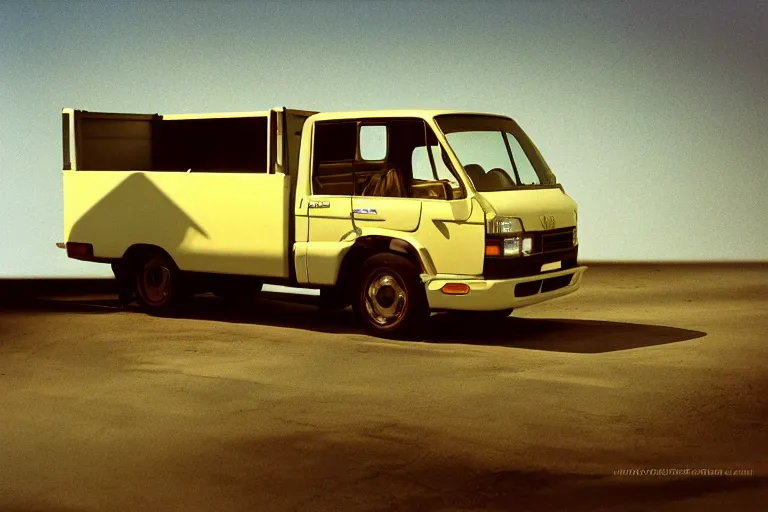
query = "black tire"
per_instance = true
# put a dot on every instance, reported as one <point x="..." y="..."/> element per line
<point x="157" y="284"/>
<point x="391" y="301"/>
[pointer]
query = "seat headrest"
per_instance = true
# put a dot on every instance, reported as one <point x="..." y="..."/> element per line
<point x="477" y="174"/>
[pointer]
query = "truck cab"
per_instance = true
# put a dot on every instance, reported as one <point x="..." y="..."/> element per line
<point x="396" y="213"/>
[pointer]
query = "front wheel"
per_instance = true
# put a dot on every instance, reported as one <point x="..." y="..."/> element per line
<point x="391" y="301"/>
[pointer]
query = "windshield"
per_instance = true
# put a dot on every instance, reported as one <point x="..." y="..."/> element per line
<point x="495" y="152"/>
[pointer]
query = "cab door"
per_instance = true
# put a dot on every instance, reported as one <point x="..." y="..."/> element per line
<point x="386" y="202"/>
<point x="330" y="228"/>
<point x="362" y="182"/>
<point x="452" y="227"/>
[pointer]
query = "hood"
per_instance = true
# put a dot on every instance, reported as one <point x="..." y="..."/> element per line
<point x="530" y="205"/>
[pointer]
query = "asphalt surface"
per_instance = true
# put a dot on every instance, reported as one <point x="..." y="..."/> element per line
<point x="278" y="406"/>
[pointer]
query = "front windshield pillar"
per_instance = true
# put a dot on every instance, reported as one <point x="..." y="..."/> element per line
<point x="511" y="158"/>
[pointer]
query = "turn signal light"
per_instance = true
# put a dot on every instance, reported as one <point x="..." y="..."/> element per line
<point x="79" y="251"/>
<point x="455" y="289"/>
<point x="493" y="248"/>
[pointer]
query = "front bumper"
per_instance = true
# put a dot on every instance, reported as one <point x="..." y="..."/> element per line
<point x="497" y="294"/>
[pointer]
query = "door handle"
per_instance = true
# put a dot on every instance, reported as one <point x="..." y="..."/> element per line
<point x="367" y="214"/>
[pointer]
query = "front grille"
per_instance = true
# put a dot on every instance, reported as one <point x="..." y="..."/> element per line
<point x="555" y="240"/>
<point x="497" y="267"/>
<point x="548" y="246"/>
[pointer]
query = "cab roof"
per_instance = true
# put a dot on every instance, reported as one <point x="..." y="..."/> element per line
<point x="354" y="114"/>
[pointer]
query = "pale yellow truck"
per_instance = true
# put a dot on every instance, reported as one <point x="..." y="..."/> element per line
<point x="396" y="213"/>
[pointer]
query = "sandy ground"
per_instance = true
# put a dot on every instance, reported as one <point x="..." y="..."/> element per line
<point x="281" y="407"/>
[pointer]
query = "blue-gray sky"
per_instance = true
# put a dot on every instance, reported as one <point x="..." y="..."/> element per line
<point x="654" y="115"/>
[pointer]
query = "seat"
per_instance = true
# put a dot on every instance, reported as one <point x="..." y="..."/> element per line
<point x="498" y="179"/>
<point x="333" y="179"/>
<point x="477" y="174"/>
<point x="386" y="184"/>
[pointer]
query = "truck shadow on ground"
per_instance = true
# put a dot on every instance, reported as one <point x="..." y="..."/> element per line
<point x="301" y="312"/>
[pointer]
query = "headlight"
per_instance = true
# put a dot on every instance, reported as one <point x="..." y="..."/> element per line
<point x="512" y="246"/>
<point x="508" y="238"/>
<point x="518" y="246"/>
<point x="527" y="246"/>
<point x="504" y="226"/>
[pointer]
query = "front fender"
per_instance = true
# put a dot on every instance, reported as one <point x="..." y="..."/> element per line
<point x="399" y="238"/>
<point x="323" y="260"/>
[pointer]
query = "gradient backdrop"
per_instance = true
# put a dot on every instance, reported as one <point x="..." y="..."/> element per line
<point x="653" y="114"/>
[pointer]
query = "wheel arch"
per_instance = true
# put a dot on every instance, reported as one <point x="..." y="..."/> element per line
<point x="370" y="244"/>
<point x="136" y="252"/>
<point x="399" y="243"/>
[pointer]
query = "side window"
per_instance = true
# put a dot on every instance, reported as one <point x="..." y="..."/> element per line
<point x="422" y="166"/>
<point x="373" y="142"/>
<point x="525" y="169"/>
<point x="335" y="146"/>
<point x="335" y="142"/>
<point x="398" y="157"/>
<point x="443" y="172"/>
<point x="431" y="173"/>
<point x="386" y="145"/>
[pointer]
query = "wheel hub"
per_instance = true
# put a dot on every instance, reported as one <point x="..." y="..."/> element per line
<point x="386" y="296"/>
<point x="385" y="300"/>
<point x="156" y="280"/>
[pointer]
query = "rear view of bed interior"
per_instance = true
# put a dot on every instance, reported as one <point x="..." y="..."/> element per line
<point x="138" y="142"/>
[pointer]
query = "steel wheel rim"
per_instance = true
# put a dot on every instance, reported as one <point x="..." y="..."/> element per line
<point x="385" y="300"/>
<point x="156" y="284"/>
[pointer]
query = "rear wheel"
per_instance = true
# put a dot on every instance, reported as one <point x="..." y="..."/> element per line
<point x="157" y="283"/>
<point x="391" y="301"/>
